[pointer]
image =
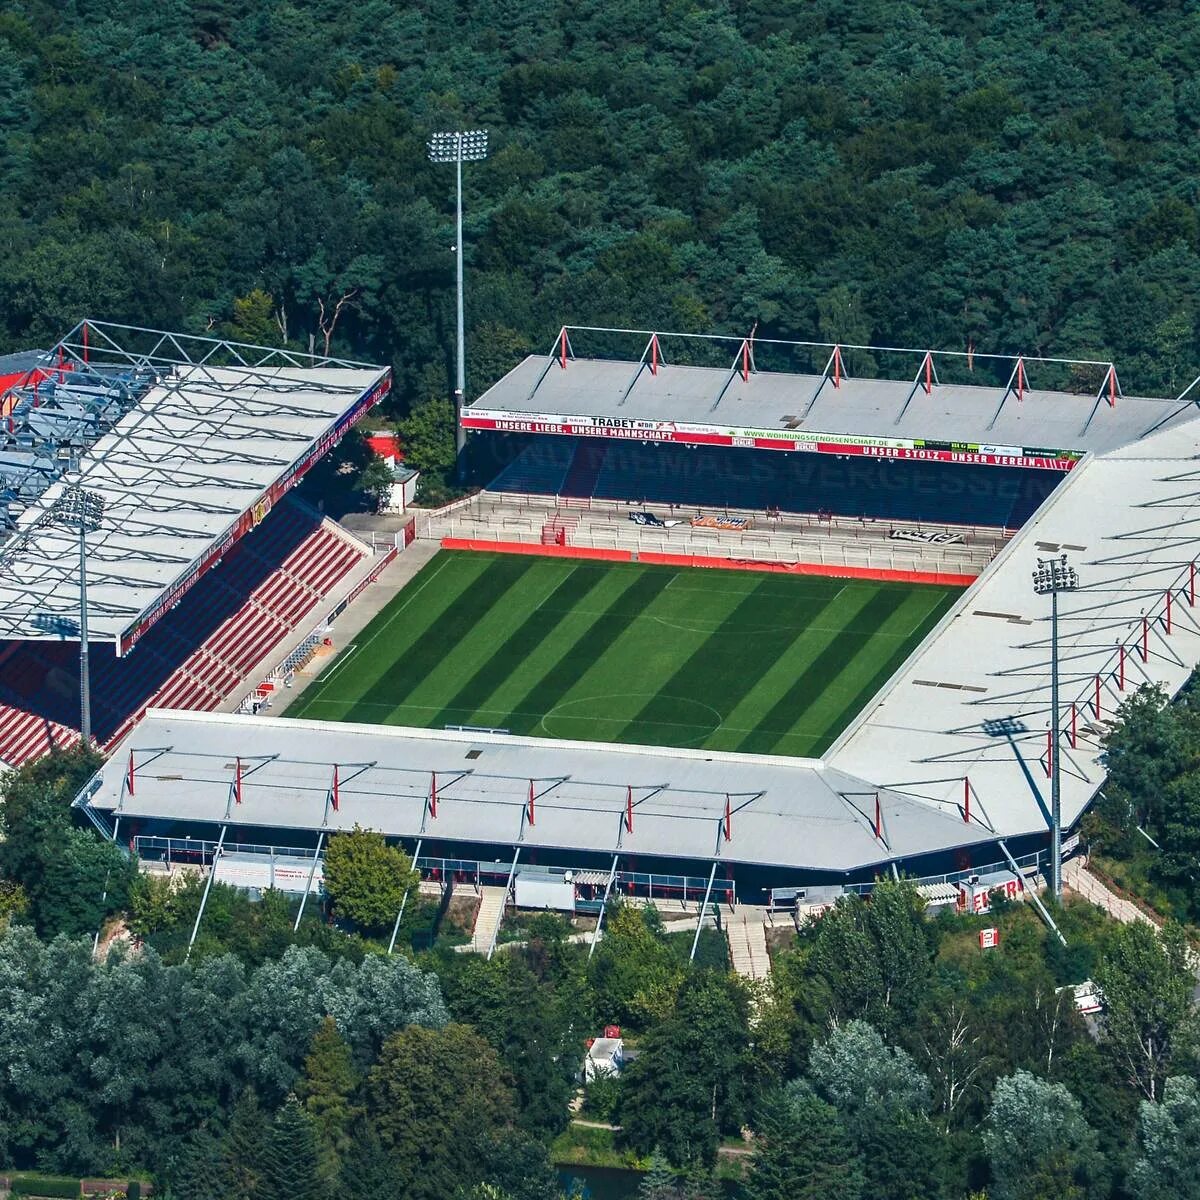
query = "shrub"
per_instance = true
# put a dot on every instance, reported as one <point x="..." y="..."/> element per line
<point x="45" y="1185"/>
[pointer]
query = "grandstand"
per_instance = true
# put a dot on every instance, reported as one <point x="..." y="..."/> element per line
<point x="204" y="563"/>
<point x="947" y="767"/>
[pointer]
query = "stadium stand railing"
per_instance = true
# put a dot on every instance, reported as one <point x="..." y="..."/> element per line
<point x="781" y="537"/>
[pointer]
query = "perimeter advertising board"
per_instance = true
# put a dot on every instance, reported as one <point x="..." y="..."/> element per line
<point x="788" y="440"/>
<point x="257" y="510"/>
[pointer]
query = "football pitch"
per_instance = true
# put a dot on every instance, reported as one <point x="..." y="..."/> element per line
<point x="562" y="648"/>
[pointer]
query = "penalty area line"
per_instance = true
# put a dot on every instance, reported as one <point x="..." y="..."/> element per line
<point x="337" y="664"/>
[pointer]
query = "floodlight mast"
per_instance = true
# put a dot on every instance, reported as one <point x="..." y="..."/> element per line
<point x="1054" y="575"/>
<point x="78" y="508"/>
<point x="458" y="147"/>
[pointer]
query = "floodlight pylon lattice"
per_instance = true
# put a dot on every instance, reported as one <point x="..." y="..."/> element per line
<point x="1054" y="575"/>
<point x="82" y="510"/>
<point x="458" y="147"/>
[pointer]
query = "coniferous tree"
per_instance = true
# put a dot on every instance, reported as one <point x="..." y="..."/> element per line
<point x="291" y="1159"/>
<point x="325" y="1090"/>
<point x="245" y="1144"/>
<point x="660" y="1181"/>
<point x="201" y="1172"/>
<point x="804" y="1152"/>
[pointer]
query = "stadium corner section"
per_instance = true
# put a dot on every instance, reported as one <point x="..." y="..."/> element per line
<point x="652" y="558"/>
<point x="257" y="511"/>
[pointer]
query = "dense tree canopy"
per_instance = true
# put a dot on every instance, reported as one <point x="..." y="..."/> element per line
<point x="1014" y="177"/>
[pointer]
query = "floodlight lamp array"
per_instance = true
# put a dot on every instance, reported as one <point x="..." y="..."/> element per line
<point x="1054" y="575"/>
<point x="469" y="145"/>
<point x="77" y="507"/>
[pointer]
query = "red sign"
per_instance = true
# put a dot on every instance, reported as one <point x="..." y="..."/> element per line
<point x="989" y="939"/>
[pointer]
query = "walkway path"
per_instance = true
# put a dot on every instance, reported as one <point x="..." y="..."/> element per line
<point x="1080" y="880"/>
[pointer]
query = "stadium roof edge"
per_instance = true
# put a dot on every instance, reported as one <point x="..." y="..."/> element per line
<point x="752" y="405"/>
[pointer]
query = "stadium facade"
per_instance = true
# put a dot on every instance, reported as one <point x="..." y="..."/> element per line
<point x="947" y="766"/>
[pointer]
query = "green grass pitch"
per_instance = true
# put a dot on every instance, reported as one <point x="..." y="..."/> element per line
<point x="563" y="648"/>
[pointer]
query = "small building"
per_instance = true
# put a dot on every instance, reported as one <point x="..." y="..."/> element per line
<point x="605" y="1056"/>
<point x="404" y="489"/>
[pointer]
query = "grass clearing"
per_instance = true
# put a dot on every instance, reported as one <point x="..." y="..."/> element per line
<point x="619" y="652"/>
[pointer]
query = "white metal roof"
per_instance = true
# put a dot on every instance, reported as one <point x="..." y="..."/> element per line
<point x="203" y="447"/>
<point x="783" y="811"/>
<point x="974" y="701"/>
<point x="808" y="408"/>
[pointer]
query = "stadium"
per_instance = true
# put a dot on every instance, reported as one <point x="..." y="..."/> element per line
<point x="734" y="618"/>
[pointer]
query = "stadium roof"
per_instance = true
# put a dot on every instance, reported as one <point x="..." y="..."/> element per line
<point x="955" y="745"/>
<point x="217" y="434"/>
<point x="974" y="701"/>
<point x="782" y="811"/>
<point x="919" y="416"/>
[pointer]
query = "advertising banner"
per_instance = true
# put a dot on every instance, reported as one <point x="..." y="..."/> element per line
<point x="787" y="440"/>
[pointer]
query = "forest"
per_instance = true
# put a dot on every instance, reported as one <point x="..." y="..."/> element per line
<point x="1018" y="177"/>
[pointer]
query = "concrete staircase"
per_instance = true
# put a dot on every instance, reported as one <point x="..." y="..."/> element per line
<point x="1080" y="880"/>
<point x="746" y="930"/>
<point x="491" y="905"/>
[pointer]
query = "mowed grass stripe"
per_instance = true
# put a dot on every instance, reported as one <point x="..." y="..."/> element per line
<point x="511" y="656"/>
<point x="736" y="655"/>
<point x="592" y="644"/>
<point x="639" y="666"/>
<point x="428" y="651"/>
<point x="852" y="684"/>
<point x="408" y="617"/>
<point x="506" y="699"/>
<point x="810" y="684"/>
<point x="835" y="720"/>
<point x="793" y="659"/>
<point x="477" y="645"/>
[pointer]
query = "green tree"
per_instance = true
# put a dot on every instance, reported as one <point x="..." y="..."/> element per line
<point x="659" y="1181"/>
<point x="688" y="1085"/>
<point x="427" y="435"/>
<point x="366" y="879"/>
<point x="245" y="1151"/>
<point x="1168" y="1142"/>
<point x="368" y="1172"/>
<point x="254" y="319"/>
<point x="325" y="1090"/>
<point x="13" y="901"/>
<point x="530" y="1025"/>
<point x="876" y="955"/>
<point x="72" y="878"/>
<point x="1038" y="1143"/>
<point x="1146" y="747"/>
<point x="434" y="1099"/>
<point x="803" y="1151"/>
<point x="201" y="1172"/>
<point x="1146" y="982"/>
<point x="291" y="1167"/>
<point x="634" y="974"/>
<point x="856" y="1072"/>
